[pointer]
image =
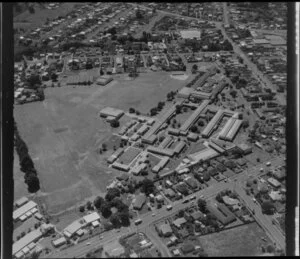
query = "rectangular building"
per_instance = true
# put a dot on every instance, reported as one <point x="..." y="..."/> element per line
<point x="162" y="163"/>
<point x="111" y="112"/>
<point x="32" y="236"/>
<point x="24" y="209"/>
<point x="193" y="118"/>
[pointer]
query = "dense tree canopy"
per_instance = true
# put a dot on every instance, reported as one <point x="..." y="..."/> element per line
<point x="112" y="193"/>
<point x="147" y="186"/>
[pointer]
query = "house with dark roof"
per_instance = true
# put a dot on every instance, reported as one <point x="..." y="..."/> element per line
<point x="191" y="182"/>
<point x="165" y="230"/>
<point x="197" y="215"/>
<point x="139" y="201"/>
<point x="221" y="212"/>
<point x="187" y="248"/>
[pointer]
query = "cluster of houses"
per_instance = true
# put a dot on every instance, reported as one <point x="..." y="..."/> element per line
<point x="244" y="15"/>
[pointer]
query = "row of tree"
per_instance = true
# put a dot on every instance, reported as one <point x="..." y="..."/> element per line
<point x="26" y="163"/>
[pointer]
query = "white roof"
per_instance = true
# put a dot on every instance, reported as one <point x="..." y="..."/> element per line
<point x="19" y="254"/>
<point x="38" y="216"/>
<point x="31" y="245"/>
<point x="91" y="217"/>
<point x="73" y="227"/>
<point x="190" y="34"/>
<point x="25" y="250"/>
<point x="22" y="200"/>
<point x="23" y="217"/>
<point x="95" y="223"/>
<point x="22" y="210"/>
<point x="34" y="210"/>
<point x="26" y="240"/>
<point x="59" y="241"/>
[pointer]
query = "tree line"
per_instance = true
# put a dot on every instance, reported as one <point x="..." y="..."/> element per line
<point x="26" y="163"/>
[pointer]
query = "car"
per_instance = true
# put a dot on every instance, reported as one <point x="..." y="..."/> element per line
<point x="254" y="200"/>
<point x="193" y="197"/>
<point x="201" y="196"/>
<point x="153" y="214"/>
<point x="101" y="237"/>
<point x="185" y="201"/>
<point x="88" y="243"/>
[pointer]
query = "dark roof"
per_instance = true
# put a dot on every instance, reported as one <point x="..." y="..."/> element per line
<point x="222" y="213"/>
<point x="197" y="215"/>
<point x="139" y="201"/>
<point x="187" y="248"/>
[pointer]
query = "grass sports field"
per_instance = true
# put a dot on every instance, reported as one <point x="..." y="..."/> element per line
<point x="244" y="240"/>
<point x="64" y="132"/>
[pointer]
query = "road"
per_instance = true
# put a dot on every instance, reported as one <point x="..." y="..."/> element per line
<point x="264" y="221"/>
<point x="234" y="183"/>
<point x="255" y="71"/>
<point x="251" y="66"/>
<point x="225" y="13"/>
<point x="148" y="27"/>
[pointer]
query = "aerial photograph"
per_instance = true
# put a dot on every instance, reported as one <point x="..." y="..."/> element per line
<point x="149" y="129"/>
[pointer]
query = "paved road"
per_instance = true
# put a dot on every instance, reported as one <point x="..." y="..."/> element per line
<point x="225" y="13"/>
<point x="148" y="27"/>
<point x="82" y="248"/>
<point x="256" y="72"/>
<point x="263" y="220"/>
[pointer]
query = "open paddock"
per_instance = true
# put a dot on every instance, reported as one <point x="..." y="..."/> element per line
<point x="240" y="241"/>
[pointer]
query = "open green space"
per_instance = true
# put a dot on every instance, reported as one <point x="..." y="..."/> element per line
<point x="240" y="241"/>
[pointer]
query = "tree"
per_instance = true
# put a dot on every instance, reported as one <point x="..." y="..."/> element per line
<point x="219" y="198"/>
<point x="233" y="93"/>
<point x="31" y="9"/>
<point x="270" y="249"/>
<point x="131" y="110"/>
<point x="194" y="128"/>
<point x="194" y="68"/>
<point x="89" y="205"/>
<point x="54" y="77"/>
<point x="40" y="93"/>
<point x="153" y="111"/>
<point x="124" y="218"/>
<point x="206" y="176"/>
<point x="147" y="186"/>
<point x="34" y="80"/>
<point x="81" y="208"/>
<point x="33" y="182"/>
<point x="34" y="255"/>
<point x="98" y="202"/>
<point x="202" y="205"/>
<point x="268" y="207"/>
<point x="104" y="147"/>
<point x="105" y="209"/>
<point x="101" y="72"/>
<point x="178" y="109"/>
<point x="112" y="193"/>
<point x="139" y="14"/>
<point x="201" y="123"/>
<point x="245" y="124"/>
<point x="115" y="220"/>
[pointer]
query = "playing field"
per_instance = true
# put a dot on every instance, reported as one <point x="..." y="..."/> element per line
<point x="64" y="134"/>
<point x="240" y="241"/>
